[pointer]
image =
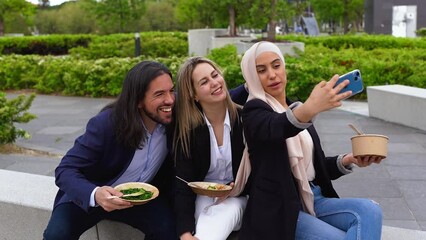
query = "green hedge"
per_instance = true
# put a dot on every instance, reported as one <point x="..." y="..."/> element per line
<point x="421" y="32"/>
<point x="43" y="45"/>
<point x="103" y="77"/>
<point x="153" y="44"/>
<point x="69" y="75"/>
<point x="366" y="42"/>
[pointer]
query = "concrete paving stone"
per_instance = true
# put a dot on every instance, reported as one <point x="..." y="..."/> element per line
<point x="412" y="189"/>
<point x="356" y="187"/>
<point x="50" y="143"/>
<point x="59" y="130"/>
<point x="406" y="159"/>
<point x="406" y="147"/>
<point x="402" y="224"/>
<point x="400" y="130"/>
<point x="32" y="145"/>
<point x="407" y="172"/>
<point x="66" y="112"/>
<point x="417" y="137"/>
<point x="336" y="148"/>
<point x="395" y="209"/>
<point x="375" y="171"/>
<point x="6" y="160"/>
<point x="31" y="164"/>
<point x="386" y="128"/>
<point x="422" y="225"/>
<point x="417" y="206"/>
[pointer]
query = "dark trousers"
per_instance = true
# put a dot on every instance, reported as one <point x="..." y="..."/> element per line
<point x="155" y="219"/>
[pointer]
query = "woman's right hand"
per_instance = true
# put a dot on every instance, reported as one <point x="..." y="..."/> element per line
<point x="323" y="97"/>
<point x="187" y="236"/>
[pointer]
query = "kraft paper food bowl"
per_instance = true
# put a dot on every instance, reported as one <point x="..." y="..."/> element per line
<point x="145" y="186"/>
<point x="210" y="189"/>
<point x="370" y="145"/>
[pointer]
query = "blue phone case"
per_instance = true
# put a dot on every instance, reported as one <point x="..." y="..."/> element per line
<point x="355" y="82"/>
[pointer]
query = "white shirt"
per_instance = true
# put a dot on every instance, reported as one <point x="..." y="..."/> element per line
<point x="220" y="170"/>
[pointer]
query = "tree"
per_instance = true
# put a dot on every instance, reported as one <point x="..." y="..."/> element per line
<point x="230" y="7"/>
<point x="160" y="16"/>
<point x="74" y="19"/>
<point x="356" y="13"/>
<point x="336" y="11"/>
<point x="43" y="3"/>
<point x="117" y="15"/>
<point x="196" y="13"/>
<point x="8" y="7"/>
<point x="266" y="13"/>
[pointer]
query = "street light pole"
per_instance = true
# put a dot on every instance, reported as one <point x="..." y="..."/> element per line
<point x="137" y="44"/>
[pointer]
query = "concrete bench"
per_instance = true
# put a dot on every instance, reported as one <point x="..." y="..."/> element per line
<point x="398" y="104"/>
<point x="26" y="202"/>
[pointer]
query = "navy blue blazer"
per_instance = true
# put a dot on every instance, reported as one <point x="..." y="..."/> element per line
<point x="195" y="168"/>
<point x="274" y="204"/>
<point x="96" y="159"/>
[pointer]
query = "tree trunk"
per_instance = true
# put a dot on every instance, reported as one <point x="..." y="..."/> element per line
<point x="232" y="26"/>
<point x="345" y="17"/>
<point x="271" y="31"/>
<point x="272" y="21"/>
<point x="1" y="27"/>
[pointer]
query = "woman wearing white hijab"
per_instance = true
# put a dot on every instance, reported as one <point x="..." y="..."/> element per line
<point x="291" y="195"/>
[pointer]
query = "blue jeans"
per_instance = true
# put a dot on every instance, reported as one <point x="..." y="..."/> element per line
<point x="340" y="218"/>
<point x="155" y="219"/>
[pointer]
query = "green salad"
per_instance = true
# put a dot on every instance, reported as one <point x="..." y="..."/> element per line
<point x="143" y="196"/>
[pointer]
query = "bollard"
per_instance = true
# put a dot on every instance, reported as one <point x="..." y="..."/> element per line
<point x="137" y="44"/>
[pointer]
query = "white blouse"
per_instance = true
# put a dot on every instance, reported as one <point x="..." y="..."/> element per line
<point x="220" y="170"/>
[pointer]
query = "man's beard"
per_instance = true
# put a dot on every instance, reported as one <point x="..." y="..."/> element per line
<point x="154" y="117"/>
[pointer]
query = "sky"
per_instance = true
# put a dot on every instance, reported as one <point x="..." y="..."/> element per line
<point x="52" y="2"/>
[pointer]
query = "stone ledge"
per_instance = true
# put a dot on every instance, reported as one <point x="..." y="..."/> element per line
<point x="26" y="205"/>
<point x="398" y="104"/>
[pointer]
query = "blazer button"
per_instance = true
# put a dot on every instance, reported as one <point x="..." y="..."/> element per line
<point x="78" y="202"/>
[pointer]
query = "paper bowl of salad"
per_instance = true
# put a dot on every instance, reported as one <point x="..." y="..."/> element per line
<point x="138" y="192"/>
<point x="210" y="189"/>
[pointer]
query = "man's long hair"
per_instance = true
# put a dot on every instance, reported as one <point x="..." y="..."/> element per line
<point x="129" y="129"/>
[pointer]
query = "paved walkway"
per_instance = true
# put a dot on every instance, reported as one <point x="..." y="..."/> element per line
<point x="398" y="184"/>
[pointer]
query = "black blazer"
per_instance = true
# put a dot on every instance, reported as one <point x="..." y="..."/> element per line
<point x="274" y="204"/>
<point x="195" y="168"/>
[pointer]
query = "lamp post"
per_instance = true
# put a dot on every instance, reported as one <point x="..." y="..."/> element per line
<point x="137" y="44"/>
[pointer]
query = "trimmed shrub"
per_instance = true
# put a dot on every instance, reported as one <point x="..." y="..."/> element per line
<point x="11" y="112"/>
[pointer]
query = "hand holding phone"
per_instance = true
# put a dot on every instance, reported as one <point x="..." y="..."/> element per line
<point x="355" y="82"/>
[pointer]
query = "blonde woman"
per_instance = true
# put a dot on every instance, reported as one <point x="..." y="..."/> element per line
<point x="209" y="147"/>
<point x="292" y="196"/>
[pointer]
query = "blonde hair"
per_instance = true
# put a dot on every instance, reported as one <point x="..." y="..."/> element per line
<point x="189" y="113"/>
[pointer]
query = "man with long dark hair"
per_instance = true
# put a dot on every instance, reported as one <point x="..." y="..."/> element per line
<point x="125" y="142"/>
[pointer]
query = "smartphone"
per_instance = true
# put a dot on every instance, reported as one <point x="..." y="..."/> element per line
<point x="355" y="82"/>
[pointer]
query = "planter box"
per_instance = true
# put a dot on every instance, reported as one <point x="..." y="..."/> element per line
<point x="287" y="48"/>
<point x="202" y="41"/>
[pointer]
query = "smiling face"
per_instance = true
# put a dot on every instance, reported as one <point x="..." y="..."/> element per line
<point x="209" y="85"/>
<point x="156" y="107"/>
<point x="271" y="71"/>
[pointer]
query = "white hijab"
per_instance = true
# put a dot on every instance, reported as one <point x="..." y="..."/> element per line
<point x="296" y="146"/>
